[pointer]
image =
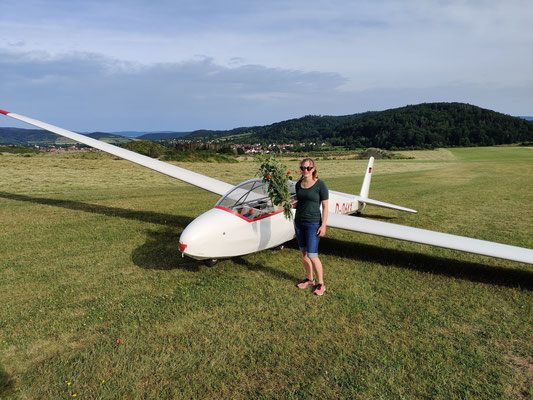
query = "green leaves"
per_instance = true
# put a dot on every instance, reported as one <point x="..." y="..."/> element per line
<point x="276" y="175"/>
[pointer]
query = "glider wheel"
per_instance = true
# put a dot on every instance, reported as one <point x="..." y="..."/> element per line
<point x="211" y="262"/>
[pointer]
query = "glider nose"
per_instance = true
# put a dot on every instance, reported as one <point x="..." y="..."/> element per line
<point x="207" y="236"/>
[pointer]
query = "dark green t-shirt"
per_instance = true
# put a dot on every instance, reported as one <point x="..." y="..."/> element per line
<point x="309" y="201"/>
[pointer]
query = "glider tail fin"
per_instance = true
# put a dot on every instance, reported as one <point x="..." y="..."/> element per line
<point x="365" y="187"/>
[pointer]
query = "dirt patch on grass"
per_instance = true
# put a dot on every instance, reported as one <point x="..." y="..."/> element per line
<point x="524" y="387"/>
<point x="432" y="155"/>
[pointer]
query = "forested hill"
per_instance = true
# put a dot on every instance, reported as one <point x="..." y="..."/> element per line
<point x="427" y="125"/>
<point x="433" y="125"/>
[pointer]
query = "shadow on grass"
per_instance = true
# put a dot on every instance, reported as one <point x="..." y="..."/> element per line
<point x="161" y="252"/>
<point x="179" y="221"/>
<point x="474" y="272"/>
<point x="6" y="383"/>
<point x="276" y="273"/>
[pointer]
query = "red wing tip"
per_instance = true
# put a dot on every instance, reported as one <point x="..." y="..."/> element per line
<point x="4" y="112"/>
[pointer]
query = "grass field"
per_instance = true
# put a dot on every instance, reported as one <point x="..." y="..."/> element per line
<point x="97" y="303"/>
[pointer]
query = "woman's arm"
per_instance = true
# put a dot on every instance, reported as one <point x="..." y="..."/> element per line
<point x="322" y="230"/>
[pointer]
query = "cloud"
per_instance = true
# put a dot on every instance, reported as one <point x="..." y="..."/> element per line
<point x="417" y="42"/>
<point x="90" y="92"/>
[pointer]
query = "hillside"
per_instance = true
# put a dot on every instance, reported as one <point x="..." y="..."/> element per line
<point x="161" y="135"/>
<point x="427" y="125"/>
<point x="432" y="125"/>
<point x="23" y="137"/>
<point x="30" y="137"/>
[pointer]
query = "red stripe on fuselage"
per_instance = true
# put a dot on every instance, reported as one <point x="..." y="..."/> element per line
<point x="4" y="112"/>
<point x="247" y="219"/>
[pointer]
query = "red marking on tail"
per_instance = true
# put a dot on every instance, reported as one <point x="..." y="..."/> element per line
<point x="4" y="112"/>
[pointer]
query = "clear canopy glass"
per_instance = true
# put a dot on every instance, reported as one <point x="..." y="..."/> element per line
<point x="249" y="199"/>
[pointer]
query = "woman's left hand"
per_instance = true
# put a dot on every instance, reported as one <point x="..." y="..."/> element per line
<point x="321" y="231"/>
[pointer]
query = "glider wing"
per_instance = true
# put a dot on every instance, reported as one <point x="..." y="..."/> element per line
<point x="432" y="238"/>
<point x="196" y="179"/>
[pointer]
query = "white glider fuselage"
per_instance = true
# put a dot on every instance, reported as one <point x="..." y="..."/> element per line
<point x="245" y="221"/>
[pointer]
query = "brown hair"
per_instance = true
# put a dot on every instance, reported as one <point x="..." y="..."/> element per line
<point x="315" y="172"/>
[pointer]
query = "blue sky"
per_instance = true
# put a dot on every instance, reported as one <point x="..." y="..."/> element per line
<point x="182" y="65"/>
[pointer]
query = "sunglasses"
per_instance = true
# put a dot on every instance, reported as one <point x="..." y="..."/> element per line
<point x="306" y="168"/>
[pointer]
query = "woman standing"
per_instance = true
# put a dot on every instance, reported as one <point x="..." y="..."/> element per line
<point x="310" y="224"/>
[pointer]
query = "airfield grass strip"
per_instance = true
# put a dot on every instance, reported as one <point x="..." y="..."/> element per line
<point x="89" y="257"/>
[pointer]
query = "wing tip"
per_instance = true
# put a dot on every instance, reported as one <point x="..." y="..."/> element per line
<point x="4" y="112"/>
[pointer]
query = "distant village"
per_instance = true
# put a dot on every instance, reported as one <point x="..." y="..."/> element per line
<point x="59" y="148"/>
<point x="216" y="145"/>
<point x="241" y="148"/>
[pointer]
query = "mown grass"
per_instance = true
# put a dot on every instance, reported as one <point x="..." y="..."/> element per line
<point x="88" y="256"/>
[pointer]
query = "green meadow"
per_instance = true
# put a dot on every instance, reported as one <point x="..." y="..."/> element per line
<point x="97" y="303"/>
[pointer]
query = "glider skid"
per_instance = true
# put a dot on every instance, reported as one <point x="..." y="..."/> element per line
<point x="211" y="262"/>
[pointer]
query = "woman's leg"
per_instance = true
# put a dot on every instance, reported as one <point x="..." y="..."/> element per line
<point x="317" y="266"/>
<point x="302" y="244"/>
<point x="312" y="241"/>
<point x="308" y="266"/>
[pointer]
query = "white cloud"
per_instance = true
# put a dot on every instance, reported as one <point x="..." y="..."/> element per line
<point x="106" y="94"/>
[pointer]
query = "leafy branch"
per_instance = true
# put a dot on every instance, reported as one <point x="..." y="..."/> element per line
<point x="275" y="174"/>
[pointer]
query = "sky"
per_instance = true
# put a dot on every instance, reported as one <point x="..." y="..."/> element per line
<point x="180" y="65"/>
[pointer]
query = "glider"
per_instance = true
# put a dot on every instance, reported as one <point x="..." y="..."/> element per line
<point x="245" y="221"/>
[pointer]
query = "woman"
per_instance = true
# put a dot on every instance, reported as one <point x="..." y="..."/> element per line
<point x="309" y="224"/>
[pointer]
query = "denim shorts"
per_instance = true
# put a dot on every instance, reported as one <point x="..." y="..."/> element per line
<point x="307" y="237"/>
